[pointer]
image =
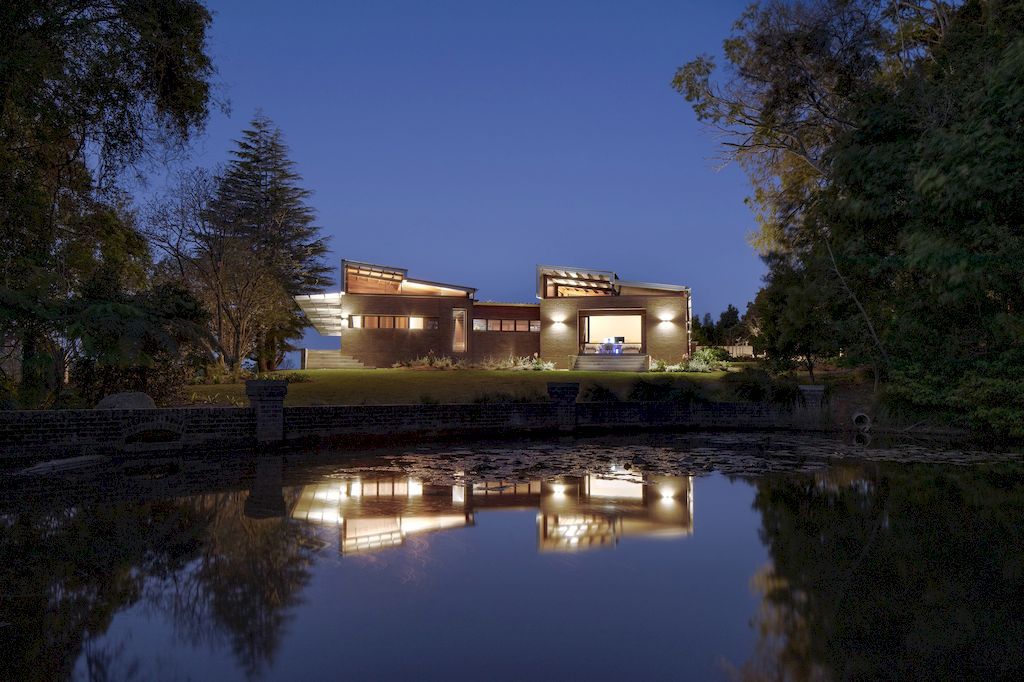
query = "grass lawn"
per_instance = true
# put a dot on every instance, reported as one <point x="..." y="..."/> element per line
<point x="395" y="386"/>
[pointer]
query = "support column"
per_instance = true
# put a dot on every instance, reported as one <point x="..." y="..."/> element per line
<point x="267" y="400"/>
<point x="563" y="395"/>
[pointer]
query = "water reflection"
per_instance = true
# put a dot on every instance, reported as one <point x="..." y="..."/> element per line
<point x="846" y="570"/>
<point x="574" y="512"/>
<point x="884" y="572"/>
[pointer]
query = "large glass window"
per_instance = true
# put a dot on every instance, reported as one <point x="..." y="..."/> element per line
<point x="534" y="325"/>
<point x="479" y="325"/>
<point x="459" y="330"/>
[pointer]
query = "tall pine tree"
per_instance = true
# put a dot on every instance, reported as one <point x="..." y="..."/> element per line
<point x="260" y="202"/>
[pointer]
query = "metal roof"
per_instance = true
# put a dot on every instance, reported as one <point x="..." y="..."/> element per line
<point x="323" y="312"/>
<point x="586" y="278"/>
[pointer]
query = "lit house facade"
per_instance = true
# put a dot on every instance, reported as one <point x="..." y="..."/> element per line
<point x="585" y="319"/>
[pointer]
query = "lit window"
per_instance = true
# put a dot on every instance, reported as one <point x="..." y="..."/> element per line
<point x="370" y="321"/>
<point x="494" y="325"/>
<point x="479" y="325"/>
<point x="458" y="330"/>
<point x="401" y="323"/>
<point x="355" y="321"/>
<point x="386" y="322"/>
<point x="534" y="325"/>
<point x="415" y="323"/>
<point x="508" y="325"/>
<point x="431" y="323"/>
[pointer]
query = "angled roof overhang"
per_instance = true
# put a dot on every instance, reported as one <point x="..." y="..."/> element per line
<point x="323" y="312"/>
<point x="599" y="281"/>
<point x="387" y="276"/>
<point x="651" y="285"/>
<point x="594" y="281"/>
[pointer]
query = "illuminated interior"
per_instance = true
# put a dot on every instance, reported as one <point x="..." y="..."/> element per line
<point x="611" y="334"/>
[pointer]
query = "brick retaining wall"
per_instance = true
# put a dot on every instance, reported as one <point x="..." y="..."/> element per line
<point x="64" y="433"/>
<point x="73" y="432"/>
<point x="386" y="420"/>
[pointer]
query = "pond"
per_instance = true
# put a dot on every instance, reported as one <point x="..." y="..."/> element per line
<point x="701" y="556"/>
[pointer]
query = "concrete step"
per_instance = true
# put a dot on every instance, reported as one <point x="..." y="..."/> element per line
<point x="329" y="359"/>
<point x="612" y="363"/>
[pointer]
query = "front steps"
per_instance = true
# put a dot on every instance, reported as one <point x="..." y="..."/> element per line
<point x="612" y="363"/>
<point x="328" y="359"/>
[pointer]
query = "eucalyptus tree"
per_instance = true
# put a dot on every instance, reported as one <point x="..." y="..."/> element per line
<point x="88" y="89"/>
<point x="884" y="141"/>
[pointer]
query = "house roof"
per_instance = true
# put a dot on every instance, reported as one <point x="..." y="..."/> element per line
<point x="388" y="273"/>
<point x="600" y="280"/>
<point x="323" y="312"/>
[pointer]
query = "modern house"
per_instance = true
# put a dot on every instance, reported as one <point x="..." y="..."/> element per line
<point x="585" y="319"/>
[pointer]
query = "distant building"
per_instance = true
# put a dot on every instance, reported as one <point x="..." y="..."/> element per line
<point x="586" y="319"/>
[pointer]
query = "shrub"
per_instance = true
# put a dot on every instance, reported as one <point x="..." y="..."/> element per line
<point x="713" y="354"/>
<point x="288" y="377"/>
<point x="429" y="361"/>
<point x="706" y="360"/>
<point x="657" y="366"/>
<point x="757" y="385"/>
<point x="512" y="362"/>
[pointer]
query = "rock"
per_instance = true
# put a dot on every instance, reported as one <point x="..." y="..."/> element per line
<point x="132" y="400"/>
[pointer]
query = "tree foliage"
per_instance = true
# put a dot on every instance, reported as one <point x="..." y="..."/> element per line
<point x="87" y="90"/>
<point x="903" y="235"/>
<point x="245" y="242"/>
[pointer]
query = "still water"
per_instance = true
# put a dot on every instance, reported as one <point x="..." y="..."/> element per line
<point x="699" y="557"/>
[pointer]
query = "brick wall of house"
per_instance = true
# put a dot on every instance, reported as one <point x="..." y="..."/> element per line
<point x="665" y="324"/>
<point x="384" y="347"/>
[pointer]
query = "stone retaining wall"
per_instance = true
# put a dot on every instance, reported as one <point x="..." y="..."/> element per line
<point x="63" y="433"/>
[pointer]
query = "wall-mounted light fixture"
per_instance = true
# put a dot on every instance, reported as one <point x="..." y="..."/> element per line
<point x="558" y="319"/>
<point x="666" y="318"/>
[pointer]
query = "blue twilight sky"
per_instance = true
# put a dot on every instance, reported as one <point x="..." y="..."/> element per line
<point x="470" y="140"/>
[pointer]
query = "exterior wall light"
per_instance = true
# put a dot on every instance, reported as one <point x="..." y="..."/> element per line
<point x="666" y="318"/>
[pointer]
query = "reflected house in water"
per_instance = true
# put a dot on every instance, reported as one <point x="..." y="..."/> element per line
<point x="574" y="513"/>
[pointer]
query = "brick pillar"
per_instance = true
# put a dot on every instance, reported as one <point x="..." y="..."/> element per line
<point x="813" y="411"/>
<point x="563" y="395"/>
<point x="267" y="401"/>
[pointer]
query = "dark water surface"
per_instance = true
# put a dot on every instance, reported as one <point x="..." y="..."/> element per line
<point x="677" y="557"/>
